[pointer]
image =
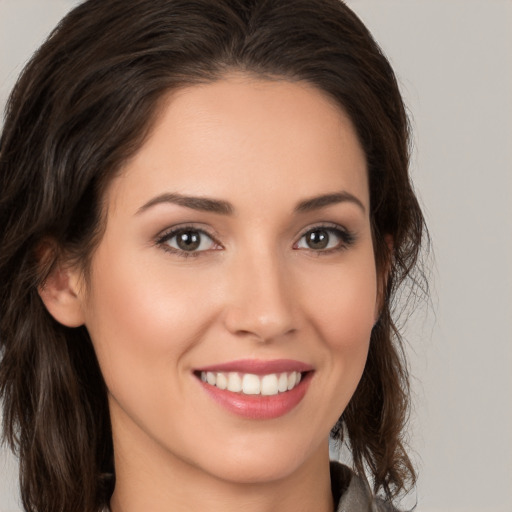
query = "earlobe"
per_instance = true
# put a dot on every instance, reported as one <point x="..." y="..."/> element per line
<point x="60" y="294"/>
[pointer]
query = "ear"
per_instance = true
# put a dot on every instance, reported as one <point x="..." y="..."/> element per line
<point x="60" y="293"/>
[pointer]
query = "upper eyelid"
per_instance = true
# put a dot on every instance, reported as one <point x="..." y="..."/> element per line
<point x="324" y="225"/>
<point x="168" y="232"/>
<point x="211" y="232"/>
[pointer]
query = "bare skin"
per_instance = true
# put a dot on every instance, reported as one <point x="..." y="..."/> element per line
<point x="274" y="275"/>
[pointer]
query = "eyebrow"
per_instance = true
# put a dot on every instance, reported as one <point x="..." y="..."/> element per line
<point x="221" y="207"/>
<point x="315" y="203"/>
<point x="204" y="204"/>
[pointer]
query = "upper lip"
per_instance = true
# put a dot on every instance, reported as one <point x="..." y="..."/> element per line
<point x="258" y="366"/>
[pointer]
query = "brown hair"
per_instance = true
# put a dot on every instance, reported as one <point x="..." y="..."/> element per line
<point x="81" y="108"/>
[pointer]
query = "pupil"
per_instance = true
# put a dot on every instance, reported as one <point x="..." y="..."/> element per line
<point x="318" y="239"/>
<point x="188" y="240"/>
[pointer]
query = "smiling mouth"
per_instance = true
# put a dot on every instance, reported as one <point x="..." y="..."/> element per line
<point x="257" y="389"/>
<point x="252" y="384"/>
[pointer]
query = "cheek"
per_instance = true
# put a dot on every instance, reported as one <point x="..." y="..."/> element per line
<point x="340" y="306"/>
<point x="343" y="315"/>
<point x="142" y="318"/>
<point x="343" y="308"/>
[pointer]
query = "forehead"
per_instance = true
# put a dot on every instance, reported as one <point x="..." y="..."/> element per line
<point x="246" y="137"/>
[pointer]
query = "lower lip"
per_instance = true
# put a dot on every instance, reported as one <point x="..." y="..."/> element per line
<point x="259" y="407"/>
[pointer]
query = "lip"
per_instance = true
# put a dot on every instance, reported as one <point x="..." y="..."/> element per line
<point x="258" y="366"/>
<point x="259" y="407"/>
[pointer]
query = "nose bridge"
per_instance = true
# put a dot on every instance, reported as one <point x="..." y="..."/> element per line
<point x="261" y="300"/>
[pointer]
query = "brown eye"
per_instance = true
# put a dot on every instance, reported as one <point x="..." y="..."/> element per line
<point x="325" y="239"/>
<point x="188" y="240"/>
<point x="318" y="239"/>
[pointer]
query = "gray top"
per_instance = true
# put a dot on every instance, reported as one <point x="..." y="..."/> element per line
<point x="352" y="494"/>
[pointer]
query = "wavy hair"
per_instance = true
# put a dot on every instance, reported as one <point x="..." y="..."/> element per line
<point x="83" y="105"/>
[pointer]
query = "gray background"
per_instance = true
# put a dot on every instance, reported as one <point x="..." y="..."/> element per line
<point x="454" y="63"/>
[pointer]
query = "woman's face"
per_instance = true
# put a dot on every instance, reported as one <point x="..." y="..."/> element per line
<point x="237" y="250"/>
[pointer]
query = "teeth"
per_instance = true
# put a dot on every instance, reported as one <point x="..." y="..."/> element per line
<point x="250" y="384"/>
<point x="234" y="382"/>
<point x="269" y="385"/>
<point x="293" y="380"/>
<point x="222" y="381"/>
<point x="282" y="383"/>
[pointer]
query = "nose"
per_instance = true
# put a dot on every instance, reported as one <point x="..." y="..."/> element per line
<point x="261" y="304"/>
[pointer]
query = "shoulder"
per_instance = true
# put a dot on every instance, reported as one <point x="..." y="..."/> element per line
<point x="352" y="494"/>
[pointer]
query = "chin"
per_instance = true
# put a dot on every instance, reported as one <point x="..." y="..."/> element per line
<point x="262" y="463"/>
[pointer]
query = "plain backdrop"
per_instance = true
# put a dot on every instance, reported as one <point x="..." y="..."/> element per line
<point x="453" y="59"/>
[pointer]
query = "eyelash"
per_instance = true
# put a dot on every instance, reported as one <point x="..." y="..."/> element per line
<point x="162" y="241"/>
<point x="347" y="239"/>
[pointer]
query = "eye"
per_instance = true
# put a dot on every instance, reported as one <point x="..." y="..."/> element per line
<point x="325" y="239"/>
<point x="187" y="240"/>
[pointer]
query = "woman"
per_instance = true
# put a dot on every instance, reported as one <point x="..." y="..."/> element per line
<point x="206" y="213"/>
